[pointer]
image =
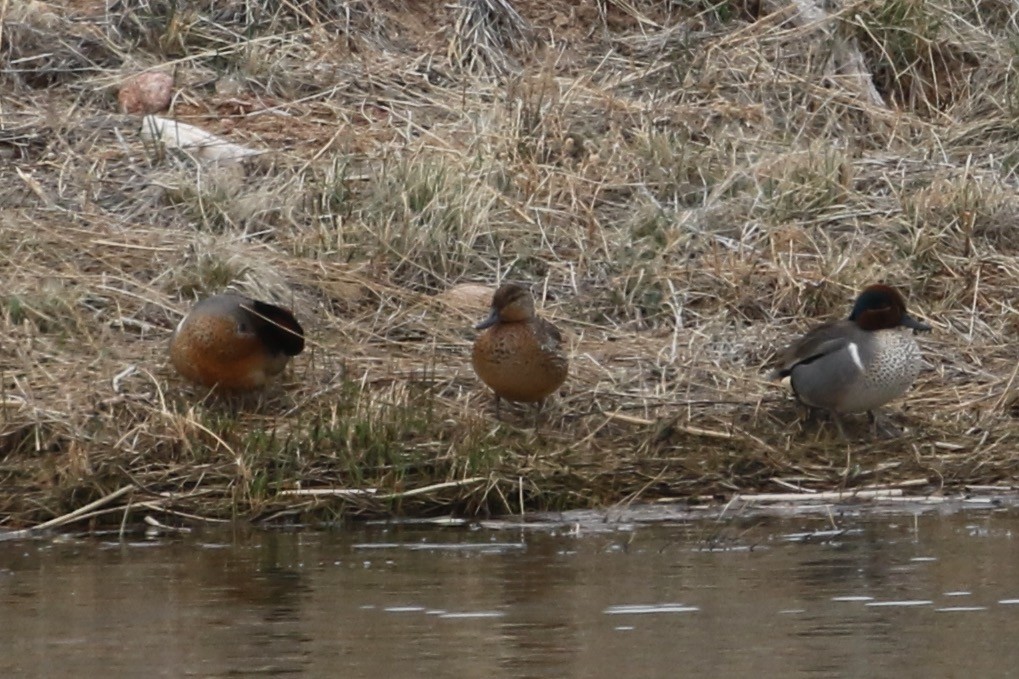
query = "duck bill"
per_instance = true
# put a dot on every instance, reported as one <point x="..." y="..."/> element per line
<point x="916" y="325"/>
<point x="493" y="318"/>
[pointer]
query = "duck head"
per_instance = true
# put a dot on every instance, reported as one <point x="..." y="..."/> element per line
<point x="882" y="307"/>
<point x="278" y="327"/>
<point x="510" y="303"/>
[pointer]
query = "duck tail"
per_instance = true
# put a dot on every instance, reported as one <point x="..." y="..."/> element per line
<point x="779" y="373"/>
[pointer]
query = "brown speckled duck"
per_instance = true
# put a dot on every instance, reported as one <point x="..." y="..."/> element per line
<point x="234" y="343"/>
<point x="519" y="355"/>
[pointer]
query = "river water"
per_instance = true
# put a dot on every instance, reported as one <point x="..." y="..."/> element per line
<point x="858" y="593"/>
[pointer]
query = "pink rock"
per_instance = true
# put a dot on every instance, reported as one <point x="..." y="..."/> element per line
<point x="146" y="93"/>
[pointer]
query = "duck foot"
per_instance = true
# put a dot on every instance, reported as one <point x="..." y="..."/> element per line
<point x="816" y="414"/>
<point x="881" y="427"/>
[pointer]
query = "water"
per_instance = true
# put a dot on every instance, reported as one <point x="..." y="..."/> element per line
<point x="906" y="595"/>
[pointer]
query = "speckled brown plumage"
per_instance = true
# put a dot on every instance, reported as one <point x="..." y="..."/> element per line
<point x="234" y="343"/>
<point x="518" y="355"/>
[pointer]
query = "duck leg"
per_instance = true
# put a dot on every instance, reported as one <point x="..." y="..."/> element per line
<point x="537" y="412"/>
<point x="838" y="425"/>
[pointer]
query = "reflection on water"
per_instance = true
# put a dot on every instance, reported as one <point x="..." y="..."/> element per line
<point x="770" y="597"/>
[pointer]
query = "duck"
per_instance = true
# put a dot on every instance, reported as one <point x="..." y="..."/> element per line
<point x="518" y="355"/>
<point x="857" y="364"/>
<point x="229" y="342"/>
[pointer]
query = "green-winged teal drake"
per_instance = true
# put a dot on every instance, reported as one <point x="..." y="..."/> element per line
<point x="858" y="364"/>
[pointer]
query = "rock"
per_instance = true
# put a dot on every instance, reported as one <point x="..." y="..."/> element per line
<point x="146" y="93"/>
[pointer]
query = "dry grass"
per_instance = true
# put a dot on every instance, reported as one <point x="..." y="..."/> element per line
<point x="685" y="186"/>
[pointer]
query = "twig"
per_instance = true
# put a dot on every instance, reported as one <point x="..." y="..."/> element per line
<point x="831" y="495"/>
<point x="70" y="517"/>
<point x="436" y="486"/>
<point x="330" y="492"/>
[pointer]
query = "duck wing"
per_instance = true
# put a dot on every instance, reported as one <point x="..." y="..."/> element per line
<point x="823" y="340"/>
<point x="548" y="335"/>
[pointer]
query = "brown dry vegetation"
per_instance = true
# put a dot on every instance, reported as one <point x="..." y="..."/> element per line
<point x="685" y="185"/>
